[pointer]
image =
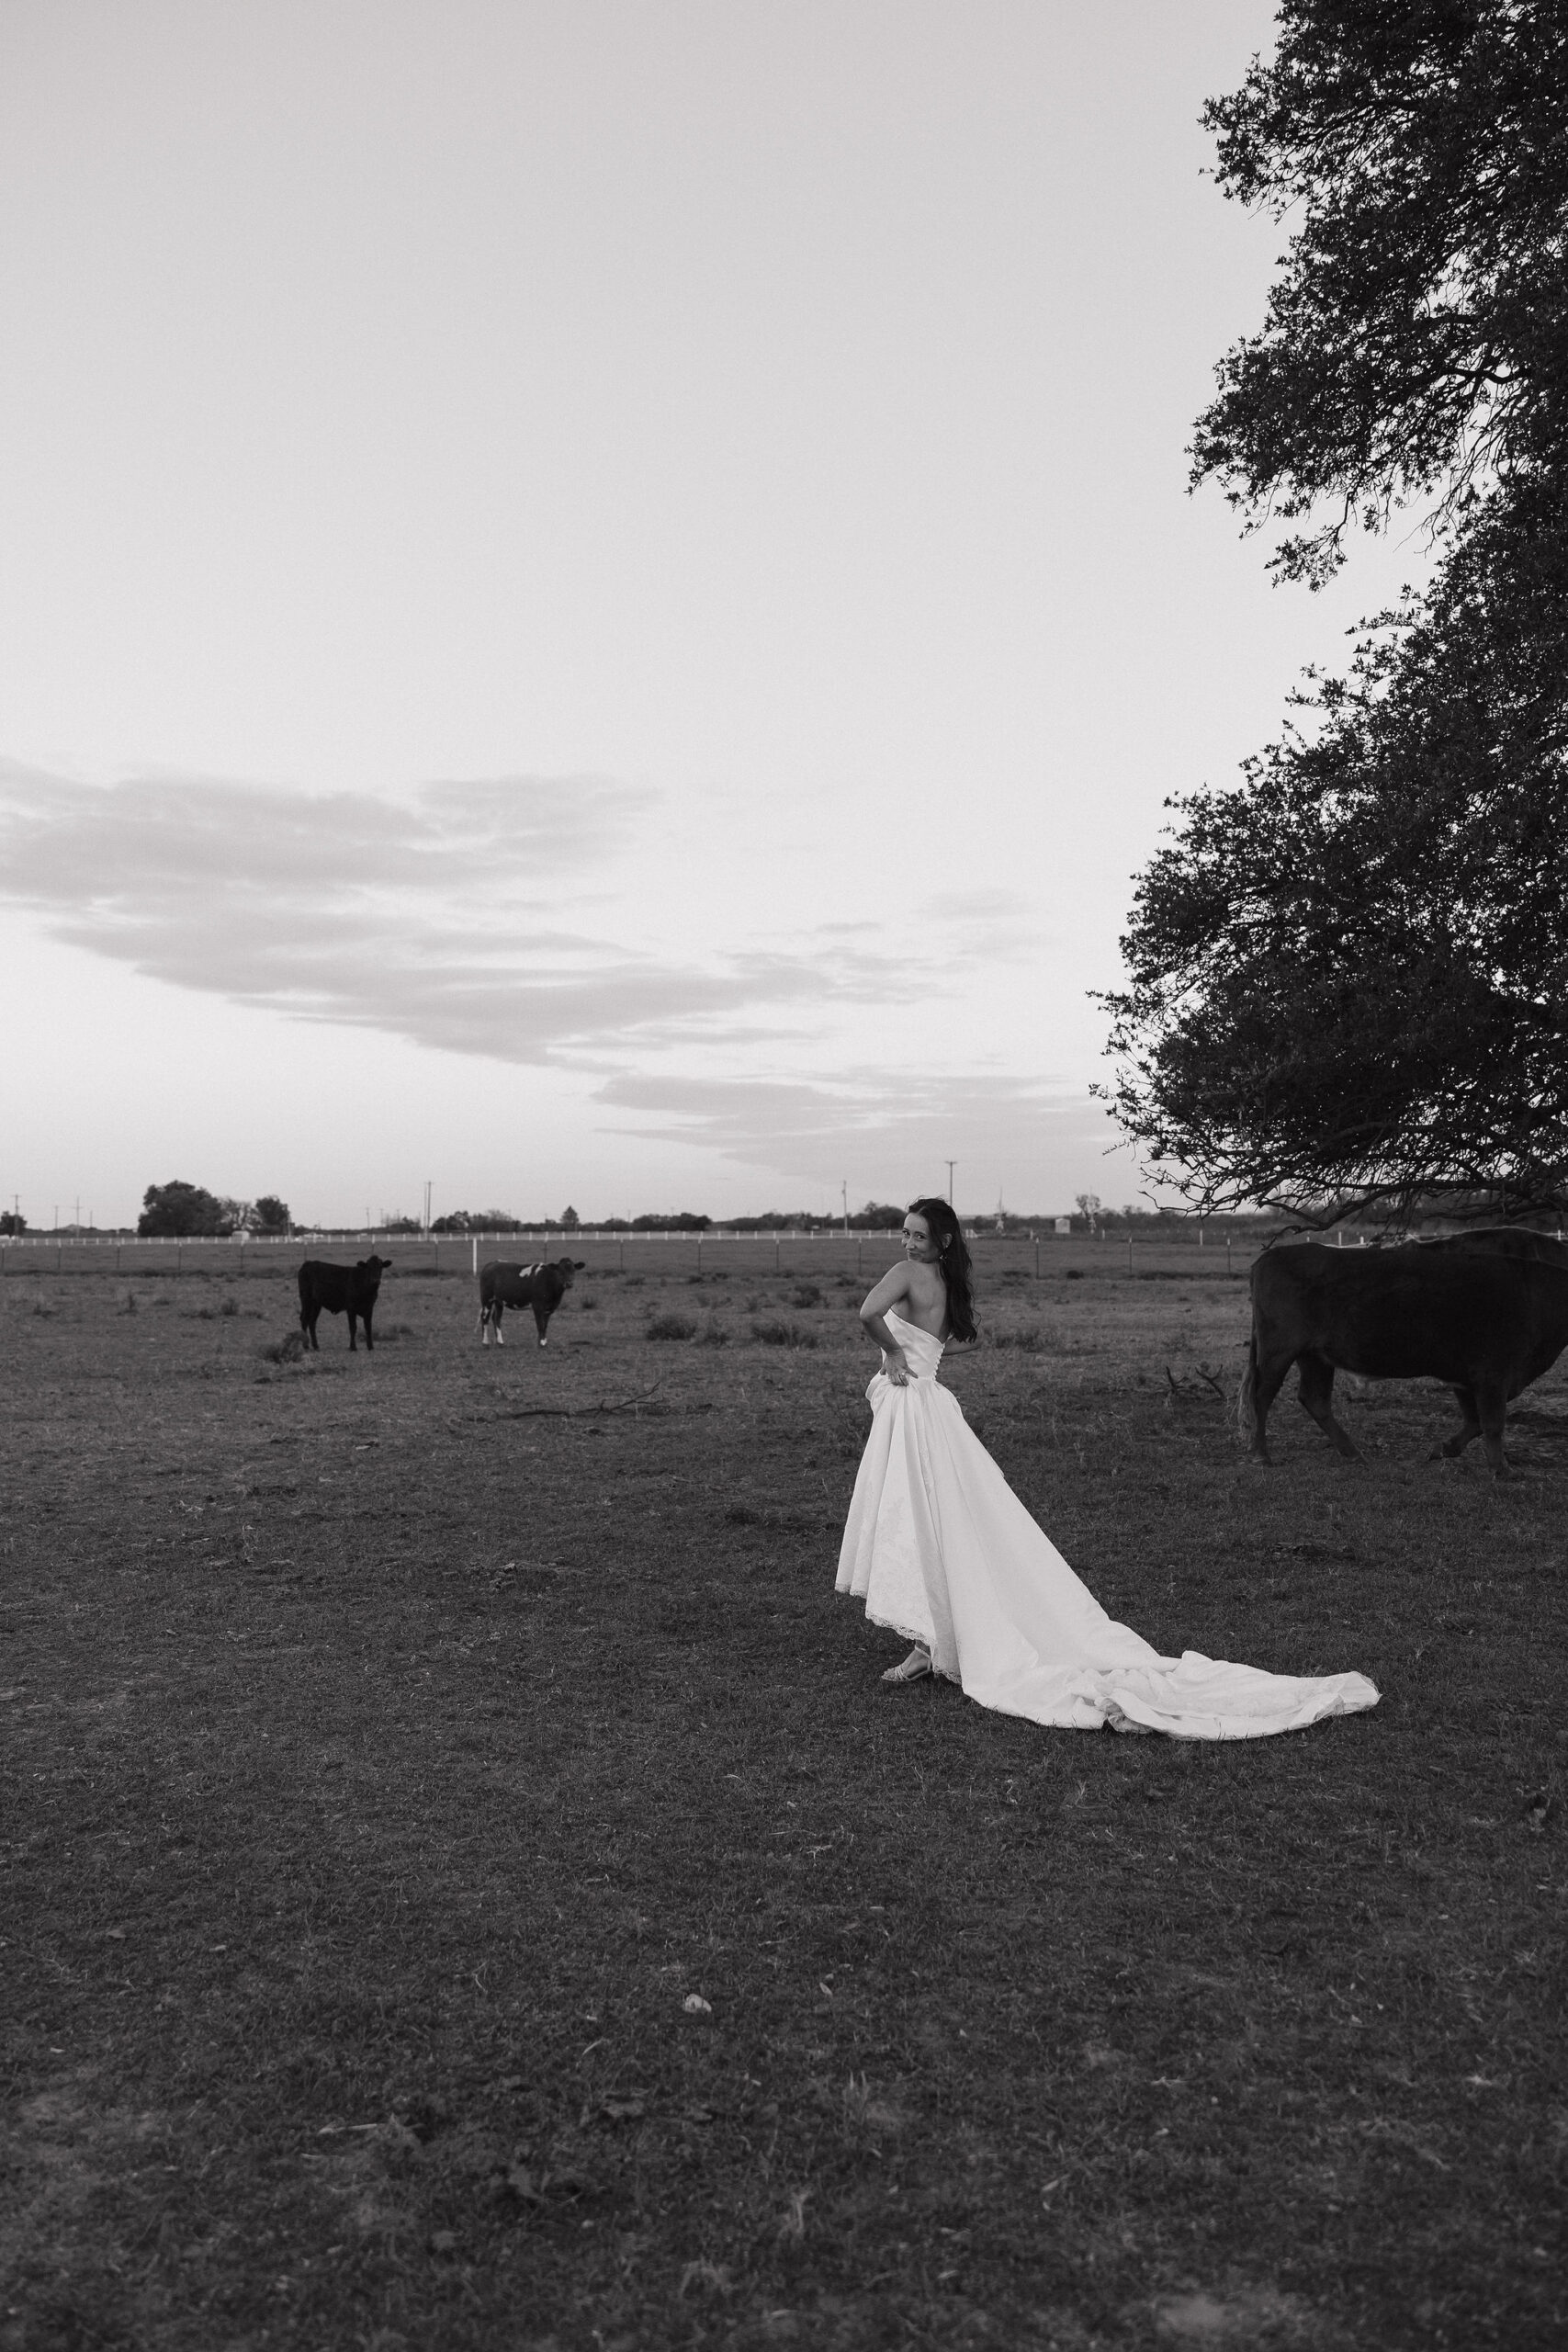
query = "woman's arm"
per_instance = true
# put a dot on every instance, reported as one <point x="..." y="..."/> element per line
<point x="894" y="1285"/>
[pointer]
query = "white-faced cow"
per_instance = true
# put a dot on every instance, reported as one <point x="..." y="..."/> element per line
<point x="1485" y="1312"/>
<point x="342" y="1290"/>
<point x="541" y="1286"/>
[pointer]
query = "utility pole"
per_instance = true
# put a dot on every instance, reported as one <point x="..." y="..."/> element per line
<point x="427" y="1184"/>
<point x="844" y="1196"/>
<point x="951" y="1166"/>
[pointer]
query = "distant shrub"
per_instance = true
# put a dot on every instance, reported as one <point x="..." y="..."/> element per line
<point x="806" y="1295"/>
<point x="229" y="1306"/>
<point x="285" y="1350"/>
<point x="672" y="1326"/>
<point x="783" y="1335"/>
<point x="183" y="1211"/>
<point x="714" y="1333"/>
<point x="586" y="1305"/>
<point x="1028" y="1342"/>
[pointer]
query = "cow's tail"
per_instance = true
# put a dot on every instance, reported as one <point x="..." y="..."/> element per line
<point x="1245" y="1396"/>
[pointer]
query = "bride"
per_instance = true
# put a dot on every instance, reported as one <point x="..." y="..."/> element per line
<point x="940" y="1549"/>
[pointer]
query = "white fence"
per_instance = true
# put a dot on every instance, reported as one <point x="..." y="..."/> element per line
<point x="804" y="1250"/>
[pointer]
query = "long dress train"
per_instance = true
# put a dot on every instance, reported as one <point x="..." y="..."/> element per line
<point x="940" y="1549"/>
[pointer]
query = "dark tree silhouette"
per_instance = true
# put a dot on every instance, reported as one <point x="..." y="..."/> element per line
<point x="185" y="1212"/>
<point x="1346" y="975"/>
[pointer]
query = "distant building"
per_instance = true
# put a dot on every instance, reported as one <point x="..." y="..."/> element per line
<point x="1064" y="1224"/>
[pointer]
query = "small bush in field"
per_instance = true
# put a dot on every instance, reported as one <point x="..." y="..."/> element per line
<point x="1030" y="1342"/>
<point x="806" y="1295"/>
<point x="783" y="1335"/>
<point x="672" y="1326"/>
<point x="714" y="1333"/>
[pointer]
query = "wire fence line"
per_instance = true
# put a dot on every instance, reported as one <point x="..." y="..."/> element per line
<point x="803" y="1251"/>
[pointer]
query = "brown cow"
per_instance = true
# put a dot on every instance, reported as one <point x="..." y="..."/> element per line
<point x="1485" y="1312"/>
<point x="541" y="1286"/>
<point x="342" y="1290"/>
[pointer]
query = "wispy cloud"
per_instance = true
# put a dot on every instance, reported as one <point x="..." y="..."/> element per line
<point x="912" y="1121"/>
<point x="437" y="918"/>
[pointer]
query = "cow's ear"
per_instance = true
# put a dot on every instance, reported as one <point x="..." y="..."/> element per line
<point x="579" y="1263"/>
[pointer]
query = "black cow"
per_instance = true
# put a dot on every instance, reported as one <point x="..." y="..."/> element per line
<point x="1485" y="1312"/>
<point x="541" y="1286"/>
<point x="342" y="1290"/>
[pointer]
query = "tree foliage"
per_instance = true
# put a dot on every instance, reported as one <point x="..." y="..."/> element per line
<point x="1347" y="975"/>
<point x="476" y="1221"/>
<point x="187" y="1212"/>
<point x="1350" y="977"/>
<point x="1416" y="338"/>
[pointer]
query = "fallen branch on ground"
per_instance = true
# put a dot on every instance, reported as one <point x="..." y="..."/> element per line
<point x="574" y="1412"/>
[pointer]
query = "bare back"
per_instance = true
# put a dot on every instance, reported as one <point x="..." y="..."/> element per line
<point x="916" y="1293"/>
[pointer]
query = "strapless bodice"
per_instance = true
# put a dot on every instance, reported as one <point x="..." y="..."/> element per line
<point x="922" y="1352"/>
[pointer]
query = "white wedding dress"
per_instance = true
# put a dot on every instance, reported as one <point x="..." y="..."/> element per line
<point x="940" y="1549"/>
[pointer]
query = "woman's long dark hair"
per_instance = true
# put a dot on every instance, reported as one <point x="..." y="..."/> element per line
<point x="952" y="1263"/>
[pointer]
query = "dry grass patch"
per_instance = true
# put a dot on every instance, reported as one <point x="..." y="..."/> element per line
<point x="398" y="1744"/>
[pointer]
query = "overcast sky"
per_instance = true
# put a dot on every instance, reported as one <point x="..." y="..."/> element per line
<point x="598" y="600"/>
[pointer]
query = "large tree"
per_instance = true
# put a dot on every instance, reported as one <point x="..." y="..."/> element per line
<point x="183" y="1211"/>
<point x="1347" y="973"/>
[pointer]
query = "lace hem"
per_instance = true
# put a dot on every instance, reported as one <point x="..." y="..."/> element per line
<point x="921" y="1641"/>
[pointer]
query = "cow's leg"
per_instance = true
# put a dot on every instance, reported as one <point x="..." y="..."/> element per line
<point x="542" y="1317"/>
<point x="1316" y="1395"/>
<point x="1491" y="1410"/>
<point x="1470" y="1428"/>
<point x="484" y="1327"/>
<point x="353" y="1350"/>
<point x="496" y="1312"/>
<point x="307" y="1325"/>
<point x="1264" y="1379"/>
<point x="369" y="1337"/>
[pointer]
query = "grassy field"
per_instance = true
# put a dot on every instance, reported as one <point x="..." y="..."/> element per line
<point x="467" y="1886"/>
